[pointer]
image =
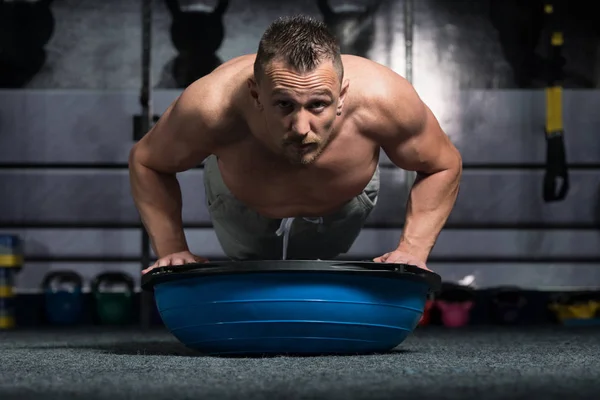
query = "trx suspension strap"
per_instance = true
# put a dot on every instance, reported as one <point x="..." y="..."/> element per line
<point x="556" y="178"/>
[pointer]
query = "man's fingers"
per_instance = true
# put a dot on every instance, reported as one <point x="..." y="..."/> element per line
<point x="396" y="258"/>
<point x="175" y="259"/>
<point x="382" y="258"/>
<point x="166" y="262"/>
<point x="422" y="265"/>
<point x="150" y="268"/>
<point x="404" y="260"/>
<point x="163" y="262"/>
<point x="179" y="261"/>
<point x="188" y="260"/>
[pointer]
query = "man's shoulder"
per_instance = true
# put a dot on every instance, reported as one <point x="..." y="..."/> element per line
<point x="214" y="97"/>
<point x="225" y="79"/>
<point x="383" y="98"/>
<point x="375" y="81"/>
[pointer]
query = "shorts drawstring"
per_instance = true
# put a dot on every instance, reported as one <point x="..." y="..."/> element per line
<point x="286" y="227"/>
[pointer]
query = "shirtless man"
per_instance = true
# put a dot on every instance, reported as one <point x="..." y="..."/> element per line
<point x="290" y="139"/>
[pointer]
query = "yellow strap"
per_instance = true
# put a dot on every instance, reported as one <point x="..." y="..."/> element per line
<point x="557" y="39"/>
<point x="7" y="322"/>
<point x="6" y="291"/>
<point x="11" y="260"/>
<point x="554" y="120"/>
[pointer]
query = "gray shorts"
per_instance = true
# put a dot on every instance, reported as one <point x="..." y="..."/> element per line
<point x="244" y="234"/>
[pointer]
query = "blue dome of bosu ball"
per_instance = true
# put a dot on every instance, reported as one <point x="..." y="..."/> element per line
<point x="291" y="307"/>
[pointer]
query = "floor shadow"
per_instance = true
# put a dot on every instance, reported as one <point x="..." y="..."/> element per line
<point x="179" y="350"/>
<point x="176" y="349"/>
<point x="312" y="355"/>
<point x="130" y="348"/>
<point x="158" y="348"/>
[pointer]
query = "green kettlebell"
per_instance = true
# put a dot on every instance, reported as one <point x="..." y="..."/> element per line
<point x="113" y="294"/>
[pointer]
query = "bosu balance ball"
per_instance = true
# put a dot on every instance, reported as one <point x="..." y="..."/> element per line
<point x="291" y="307"/>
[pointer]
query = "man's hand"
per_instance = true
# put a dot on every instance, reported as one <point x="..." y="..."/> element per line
<point x="401" y="257"/>
<point x="181" y="258"/>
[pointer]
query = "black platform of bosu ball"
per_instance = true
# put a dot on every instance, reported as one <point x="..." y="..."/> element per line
<point x="291" y="307"/>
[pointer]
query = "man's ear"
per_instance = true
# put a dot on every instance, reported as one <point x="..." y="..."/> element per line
<point x="343" y="93"/>
<point x="253" y="87"/>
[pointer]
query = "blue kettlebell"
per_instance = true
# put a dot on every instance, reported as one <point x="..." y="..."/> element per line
<point x="63" y="292"/>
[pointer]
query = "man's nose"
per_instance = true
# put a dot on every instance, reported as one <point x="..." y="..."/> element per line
<point x="301" y="123"/>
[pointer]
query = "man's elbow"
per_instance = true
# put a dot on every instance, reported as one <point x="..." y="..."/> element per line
<point x="455" y="167"/>
<point x="447" y="162"/>
<point x="457" y="163"/>
<point x="134" y="156"/>
<point x="139" y="158"/>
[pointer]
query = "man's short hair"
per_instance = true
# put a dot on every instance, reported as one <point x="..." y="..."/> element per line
<point x="301" y="42"/>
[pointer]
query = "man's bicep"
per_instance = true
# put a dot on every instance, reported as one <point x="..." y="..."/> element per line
<point x="180" y="140"/>
<point x="419" y="143"/>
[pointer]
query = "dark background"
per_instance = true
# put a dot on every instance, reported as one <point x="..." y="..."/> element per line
<point x="71" y="75"/>
<point x="467" y="44"/>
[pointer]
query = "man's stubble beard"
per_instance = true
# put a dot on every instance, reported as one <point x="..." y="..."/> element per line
<point x="313" y="156"/>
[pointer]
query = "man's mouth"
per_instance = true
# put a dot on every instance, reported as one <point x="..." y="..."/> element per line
<point x="304" y="146"/>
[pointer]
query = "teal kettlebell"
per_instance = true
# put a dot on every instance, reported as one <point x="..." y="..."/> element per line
<point x="113" y="296"/>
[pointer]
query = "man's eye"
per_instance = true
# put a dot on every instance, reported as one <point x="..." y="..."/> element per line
<point x="283" y="104"/>
<point x="319" y="105"/>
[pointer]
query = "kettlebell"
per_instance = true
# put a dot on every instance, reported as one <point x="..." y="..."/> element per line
<point x="454" y="303"/>
<point x="113" y="296"/>
<point x="355" y="30"/>
<point x="455" y="314"/>
<point x="426" y="317"/>
<point x="576" y="313"/>
<point x="196" y="35"/>
<point x="25" y="29"/>
<point x="507" y="305"/>
<point x="63" y="297"/>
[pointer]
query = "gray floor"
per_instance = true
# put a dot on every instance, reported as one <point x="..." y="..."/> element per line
<point x="481" y="363"/>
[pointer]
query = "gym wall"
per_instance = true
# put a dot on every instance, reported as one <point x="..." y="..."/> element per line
<point x="67" y="126"/>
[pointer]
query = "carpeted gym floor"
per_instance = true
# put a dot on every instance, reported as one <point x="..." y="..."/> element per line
<point x="434" y="363"/>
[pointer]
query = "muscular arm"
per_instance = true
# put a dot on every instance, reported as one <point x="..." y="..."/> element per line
<point x="414" y="141"/>
<point x="180" y="140"/>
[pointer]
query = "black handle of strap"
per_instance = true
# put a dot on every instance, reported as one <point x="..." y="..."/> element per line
<point x="556" y="178"/>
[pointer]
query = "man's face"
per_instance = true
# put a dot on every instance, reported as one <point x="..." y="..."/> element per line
<point x="299" y="109"/>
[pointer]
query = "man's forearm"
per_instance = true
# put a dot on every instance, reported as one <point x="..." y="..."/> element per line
<point x="159" y="201"/>
<point x="430" y="202"/>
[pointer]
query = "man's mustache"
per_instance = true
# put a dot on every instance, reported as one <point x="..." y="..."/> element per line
<point x="299" y="141"/>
